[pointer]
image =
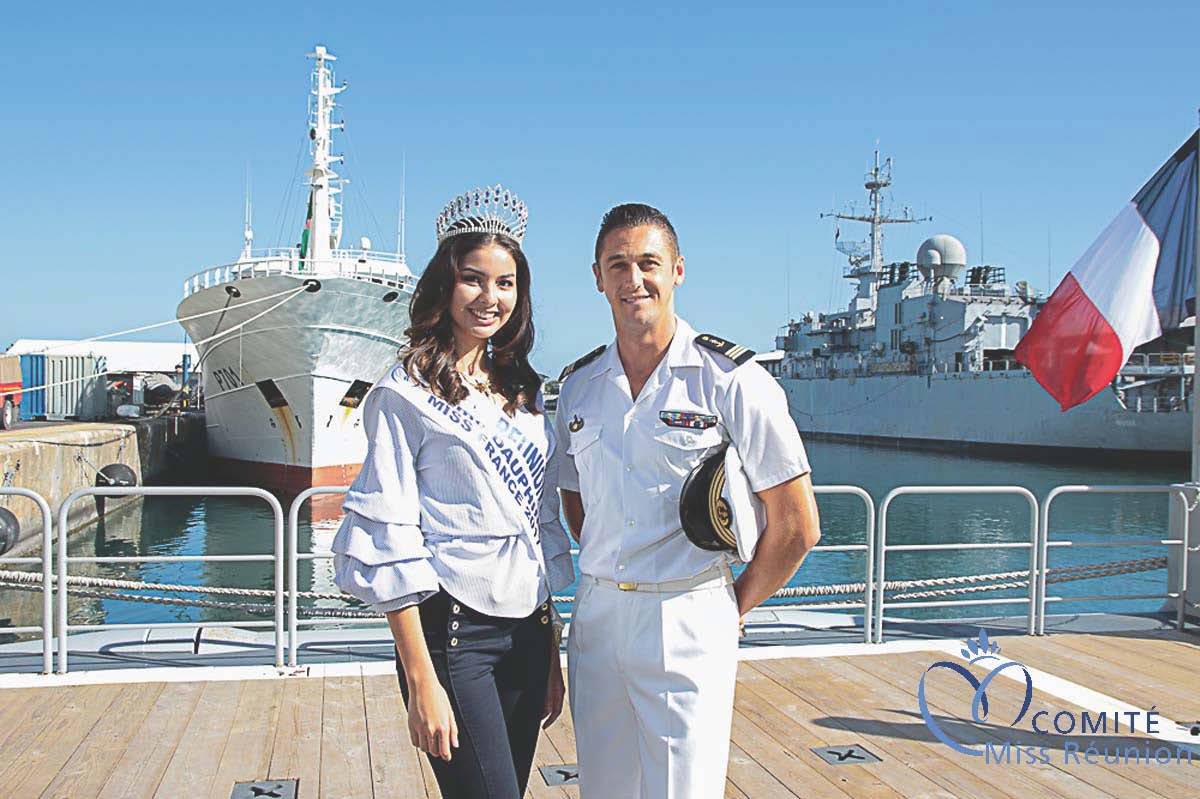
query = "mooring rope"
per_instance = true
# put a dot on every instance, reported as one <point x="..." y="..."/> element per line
<point x="66" y="344"/>
<point x="974" y="583"/>
<point x="137" y="585"/>
<point x="1135" y="565"/>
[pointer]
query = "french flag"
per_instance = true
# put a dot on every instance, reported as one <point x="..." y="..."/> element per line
<point x="1134" y="283"/>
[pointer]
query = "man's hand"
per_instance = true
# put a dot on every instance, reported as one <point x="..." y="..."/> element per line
<point x="572" y="506"/>
<point x="793" y="528"/>
<point x="555" y="692"/>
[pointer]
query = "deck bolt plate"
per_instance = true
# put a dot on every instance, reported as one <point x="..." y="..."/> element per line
<point x="562" y="774"/>
<point x="849" y="754"/>
<point x="265" y="789"/>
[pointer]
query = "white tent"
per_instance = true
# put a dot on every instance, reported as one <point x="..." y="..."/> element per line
<point x="118" y="356"/>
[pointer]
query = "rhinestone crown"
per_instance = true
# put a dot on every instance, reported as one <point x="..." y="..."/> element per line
<point x="493" y="209"/>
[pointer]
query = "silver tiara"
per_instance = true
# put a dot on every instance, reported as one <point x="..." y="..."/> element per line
<point x="494" y="209"/>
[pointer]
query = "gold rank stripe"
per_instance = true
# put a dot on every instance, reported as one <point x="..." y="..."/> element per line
<point x="734" y="352"/>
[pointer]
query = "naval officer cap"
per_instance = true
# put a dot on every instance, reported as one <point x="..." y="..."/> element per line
<point x="717" y="509"/>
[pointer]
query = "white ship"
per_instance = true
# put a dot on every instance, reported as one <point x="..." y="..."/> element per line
<point x="290" y="339"/>
<point x="923" y="355"/>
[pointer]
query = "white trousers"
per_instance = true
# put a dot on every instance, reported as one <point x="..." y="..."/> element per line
<point x="651" y="689"/>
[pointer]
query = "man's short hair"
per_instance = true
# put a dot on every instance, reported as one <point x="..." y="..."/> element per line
<point x="634" y="215"/>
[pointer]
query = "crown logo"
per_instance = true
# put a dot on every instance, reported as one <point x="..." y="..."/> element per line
<point x="980" y="648"/>
<point x="493" y="209"/>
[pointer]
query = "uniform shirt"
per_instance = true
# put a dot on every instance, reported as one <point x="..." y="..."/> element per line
<point x="425" y="512"/>
<point x="629" y="465"/>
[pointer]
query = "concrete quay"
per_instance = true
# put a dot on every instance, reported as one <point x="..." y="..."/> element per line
<point x="56" y="459"/>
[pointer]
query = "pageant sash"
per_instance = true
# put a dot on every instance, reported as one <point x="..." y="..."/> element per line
<point x="516" y="463"/>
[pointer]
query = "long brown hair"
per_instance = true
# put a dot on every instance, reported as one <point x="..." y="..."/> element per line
<point x="429" y="356"/>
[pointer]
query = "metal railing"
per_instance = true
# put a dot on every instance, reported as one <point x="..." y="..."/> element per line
<point x="868" y="548"/>
<point x="46" y="628"/>
<point x="1003" y="365"/>
<point x="1045" y="544"/>
<point x="64" y="560"/>
<point x="1156" y="404"/>
<point x="1153" y="360"/>
<point x="294" y="557"/>
<point x="286" y="554"/>
<point x="882" y="548"/>
<point x="362" y="264"/>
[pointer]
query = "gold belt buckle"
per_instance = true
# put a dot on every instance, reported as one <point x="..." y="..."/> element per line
<point x="627" y="586"/>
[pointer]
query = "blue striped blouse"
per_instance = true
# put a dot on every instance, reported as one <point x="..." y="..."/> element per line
<point x="426" y="511"/>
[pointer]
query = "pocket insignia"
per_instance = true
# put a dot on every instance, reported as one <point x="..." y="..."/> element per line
<point x="688" y="419"/>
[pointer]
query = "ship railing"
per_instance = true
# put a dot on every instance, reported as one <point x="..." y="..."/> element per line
<point x="1002" y="365"/>
<point x="882" y="548"/>
<point x="867" y="548"/>
<point x="1180" y="491"/>
<point x="1168" y="361"/>
<point x="46" y="628"/>
<point x="1156" y="404"/>
<point x="876" y="547"/>
<point x="295" y="556"/>
<point x="379" y="267"/>
<point x="64" y="560"/>
<point x="997" y="289"/>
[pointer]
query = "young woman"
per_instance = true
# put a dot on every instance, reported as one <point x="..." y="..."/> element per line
<point x="452" y="525"/>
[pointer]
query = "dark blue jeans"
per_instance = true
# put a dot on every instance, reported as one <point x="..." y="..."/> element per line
<point x="494" y="670"/>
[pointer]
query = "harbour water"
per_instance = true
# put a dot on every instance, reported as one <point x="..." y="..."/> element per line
<point x="232" y="526"/>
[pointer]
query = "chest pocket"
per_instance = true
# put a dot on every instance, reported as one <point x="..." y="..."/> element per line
<point x="681" y="449"/>
<point x="583" y="442"/>
<point x="586" y="451"/>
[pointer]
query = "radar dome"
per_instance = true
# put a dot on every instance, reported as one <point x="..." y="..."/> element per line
<point x="941" y="256"/>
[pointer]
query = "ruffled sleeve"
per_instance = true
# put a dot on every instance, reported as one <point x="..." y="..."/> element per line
<point x="380" y="555"/>
<point x="556" y="544"/>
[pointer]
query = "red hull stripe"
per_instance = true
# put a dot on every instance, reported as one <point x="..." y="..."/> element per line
<point x="279" y="477"/>
<point x="1070" y="348"/>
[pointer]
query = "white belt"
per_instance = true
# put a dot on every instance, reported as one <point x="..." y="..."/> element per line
<point x="709" y="578"/>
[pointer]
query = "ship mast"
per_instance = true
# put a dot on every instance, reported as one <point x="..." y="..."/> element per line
<point x="867" y="256"/>
<point x="326" y="222"/>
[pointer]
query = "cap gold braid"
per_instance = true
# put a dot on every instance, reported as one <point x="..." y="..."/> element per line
<point x="719" y="510"/>
<point x="493" y="209"/>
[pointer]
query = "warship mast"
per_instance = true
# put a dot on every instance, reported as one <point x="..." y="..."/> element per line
<point x="870" y="253"/>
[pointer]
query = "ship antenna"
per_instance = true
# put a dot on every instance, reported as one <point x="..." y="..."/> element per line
<point x="403" y="190"/>
<point x="247" y="225"/>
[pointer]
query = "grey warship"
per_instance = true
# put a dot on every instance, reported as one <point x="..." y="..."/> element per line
<point x="923" y="357"/>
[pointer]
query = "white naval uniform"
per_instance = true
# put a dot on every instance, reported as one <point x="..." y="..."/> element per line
<point x="652" y="672"/>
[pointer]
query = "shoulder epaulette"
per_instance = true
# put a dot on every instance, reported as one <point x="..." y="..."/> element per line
<point x="584" y="361"/>
<point x="734" y="352"/>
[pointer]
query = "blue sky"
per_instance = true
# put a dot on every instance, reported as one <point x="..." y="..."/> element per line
<point x="127" y="131"/>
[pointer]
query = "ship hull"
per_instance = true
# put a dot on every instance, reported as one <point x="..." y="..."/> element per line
<point x="275" y="390"/>
<point x="1006" y="413"/>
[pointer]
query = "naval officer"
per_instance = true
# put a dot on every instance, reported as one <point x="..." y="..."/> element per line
<point x="652" y="650"/>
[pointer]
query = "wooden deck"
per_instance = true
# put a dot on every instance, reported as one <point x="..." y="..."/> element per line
<point x="345" y="737"/>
